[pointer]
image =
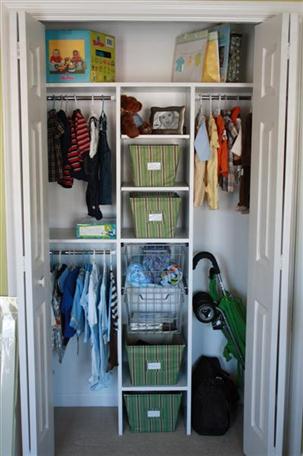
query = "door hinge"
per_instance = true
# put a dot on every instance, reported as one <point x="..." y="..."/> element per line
<point x="18" y="50"/>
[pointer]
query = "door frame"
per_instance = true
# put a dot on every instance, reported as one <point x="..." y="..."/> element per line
<point x="93" y="10"/>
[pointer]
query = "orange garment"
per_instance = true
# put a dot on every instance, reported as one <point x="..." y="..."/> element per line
<point x="235" y="112"/>
<point x="223" y="147"/>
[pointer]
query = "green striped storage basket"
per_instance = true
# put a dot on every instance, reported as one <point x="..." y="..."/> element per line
<point x="155" y="364"/>
<point x="154" y="165"/>
<point x="155" y="214"/>
<point x="152" y="412"/>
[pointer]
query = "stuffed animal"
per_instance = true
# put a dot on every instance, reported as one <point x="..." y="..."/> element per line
<point x="132" y="123"/>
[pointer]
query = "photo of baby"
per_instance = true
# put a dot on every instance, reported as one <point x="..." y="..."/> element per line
<point x="66" y="56"/>
<point x="164" y="120"/>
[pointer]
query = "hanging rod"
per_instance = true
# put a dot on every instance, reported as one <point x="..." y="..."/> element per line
<point x="80" y="97"/>
<point x="216" y="96"/>
<point x="83" y="252"/>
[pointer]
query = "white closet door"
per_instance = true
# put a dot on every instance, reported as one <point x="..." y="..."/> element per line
<point x="34" y="164"/>
<point x="265" y="373"/>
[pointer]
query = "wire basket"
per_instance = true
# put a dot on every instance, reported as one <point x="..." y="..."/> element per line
<point x="154" y="288"/>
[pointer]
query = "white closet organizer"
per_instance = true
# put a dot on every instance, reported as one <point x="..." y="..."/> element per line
<point x="249" y="248"/>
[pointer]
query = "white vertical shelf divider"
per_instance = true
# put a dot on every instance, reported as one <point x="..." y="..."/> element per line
<point x="119" y="272"/>
<point x="190" y="257"/>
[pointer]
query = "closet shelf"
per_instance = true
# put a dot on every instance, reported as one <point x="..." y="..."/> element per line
<point x="179" y="187"/>
<point x="128" y="236"/>
<point x="67" y="235"/>
<point x="127" y="385"/>
<point x="157" y="137"/>
<point x="125" y="85"/>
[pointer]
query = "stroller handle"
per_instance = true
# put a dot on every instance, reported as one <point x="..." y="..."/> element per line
<point x="207" y="256"/>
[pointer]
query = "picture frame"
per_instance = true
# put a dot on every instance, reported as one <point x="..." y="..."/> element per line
<point x="167" y="120"/>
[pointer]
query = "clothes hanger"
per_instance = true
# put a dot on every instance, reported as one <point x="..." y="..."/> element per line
<point x="93" y="257"/>
<point x="54" y="103"/>
<point x="110" y="261"/>
<point x="92" y="107"/>
<point x="210" y="106"/>
<point x="76" y="102"/>
<point x="219" y="105"/>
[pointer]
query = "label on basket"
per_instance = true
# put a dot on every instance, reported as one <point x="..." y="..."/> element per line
<point x="153" y="366"/>
<point x="154" y="166"/>
<point x="155" y="217"/>
<point x="153" y="413"/>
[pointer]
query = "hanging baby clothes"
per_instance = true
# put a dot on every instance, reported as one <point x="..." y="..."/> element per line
<point x="55" y="163"/>
<point x="93" y="126"/>
<point x="228" y="183"/>
<point x="65" y="140"/>
<point x="103" y="324"/>
<point x="57" y="337"/>
<point x="77" y="314"/>
<point x="93" y="186"/>
<point x="81" y="134"/>
<point x="113" y="327"/>
<point x="105" y="195"/>
<point x="93" y="297"/>
<point x="211" y="189"/>
<point x="84" y="303"/>
<point x="200" y="165"/>
<point x="223" y="147"/>
<point x="67" y="283"/>
<point x="236" y="148"/>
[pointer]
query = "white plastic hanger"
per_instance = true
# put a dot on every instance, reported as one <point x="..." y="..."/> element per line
<point x="210" y="106"/>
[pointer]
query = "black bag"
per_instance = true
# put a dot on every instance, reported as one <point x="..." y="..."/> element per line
<point x="214" y="397"/>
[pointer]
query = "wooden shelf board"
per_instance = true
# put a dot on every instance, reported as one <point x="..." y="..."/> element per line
<point x="171" y="85"/>
<point x="154" y="137"/>
<point x="128" y="236"/>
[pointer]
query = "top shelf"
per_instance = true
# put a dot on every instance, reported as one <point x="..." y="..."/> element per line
<point x="198" y="85"/>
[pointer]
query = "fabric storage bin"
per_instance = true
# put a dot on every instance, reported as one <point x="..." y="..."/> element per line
<point x="154" y="165"/>
<point x="152" y="412"/>
<point x="155" y="214"/>
<point x="155" y="364"/>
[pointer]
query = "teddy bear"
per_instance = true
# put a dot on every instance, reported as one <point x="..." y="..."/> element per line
<point x="132" y="123"/>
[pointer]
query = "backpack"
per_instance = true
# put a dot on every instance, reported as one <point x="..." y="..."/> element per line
<point x="214" y="397"/>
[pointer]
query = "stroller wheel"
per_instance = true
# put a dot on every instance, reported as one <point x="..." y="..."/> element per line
<point x="204" y="307"/>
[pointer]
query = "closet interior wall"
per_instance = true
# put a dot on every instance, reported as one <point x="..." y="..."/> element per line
<point x="144" y="53"/>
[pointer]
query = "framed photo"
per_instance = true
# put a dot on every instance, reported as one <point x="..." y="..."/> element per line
<point x="168" y="120"/>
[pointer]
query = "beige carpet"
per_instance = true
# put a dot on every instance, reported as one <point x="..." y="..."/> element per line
<point x="93" y="432"/>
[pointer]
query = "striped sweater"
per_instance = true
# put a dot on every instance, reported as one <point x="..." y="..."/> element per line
<point x="80" y="142"/>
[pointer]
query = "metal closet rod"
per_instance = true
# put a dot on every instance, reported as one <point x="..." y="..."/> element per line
<point x="79" y="97"/>
<point x="83" y="252"/>
<point x="216" y="96"/>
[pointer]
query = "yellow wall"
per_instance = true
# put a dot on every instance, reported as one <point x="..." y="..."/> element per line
<point x="3" y="264"/>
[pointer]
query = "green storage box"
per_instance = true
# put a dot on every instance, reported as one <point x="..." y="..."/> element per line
<point x="157" y="364"/>
<point x="154" y="165"/>
<point x="152" y="412"/>
<point x="155" y="214"/>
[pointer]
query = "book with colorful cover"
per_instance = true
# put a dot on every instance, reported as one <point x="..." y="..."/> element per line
<point x="189" y="56"/>
<point x="224" y="46"/>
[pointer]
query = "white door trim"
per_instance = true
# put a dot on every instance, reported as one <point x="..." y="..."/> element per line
<point x="156" y="10"/>
<point x="13" y="200"/>
<point x="295" y="396"/>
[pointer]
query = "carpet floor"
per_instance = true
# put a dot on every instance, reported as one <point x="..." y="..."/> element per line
<point x="92" y="431"/>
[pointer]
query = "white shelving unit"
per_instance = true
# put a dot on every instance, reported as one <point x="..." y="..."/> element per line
<point x="151" y="93"/>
